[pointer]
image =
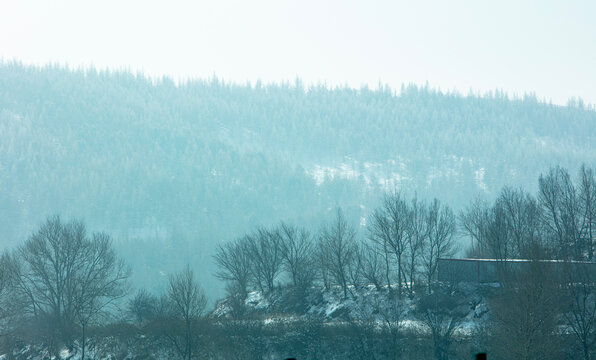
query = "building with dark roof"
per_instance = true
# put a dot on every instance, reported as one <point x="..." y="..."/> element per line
<point x="492" y="270"/>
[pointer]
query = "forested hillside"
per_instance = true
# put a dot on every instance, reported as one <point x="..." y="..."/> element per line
<point x="171" y="169"/>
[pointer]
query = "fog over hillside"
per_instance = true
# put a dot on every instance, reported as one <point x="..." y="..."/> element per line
<point x="172" y="169"/>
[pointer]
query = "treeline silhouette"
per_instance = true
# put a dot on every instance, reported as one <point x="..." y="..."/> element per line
<point x="404" y="238"/>
<point x="64" y="284"/>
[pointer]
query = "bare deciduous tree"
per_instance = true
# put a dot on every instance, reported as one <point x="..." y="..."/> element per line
<point x="442" y="313"/>
<point x="525" y="313"/>
<point x="572" y="220"/>
<point x="322" y="264"/>
<point x="587" y="194"/>
<point x="338" y="248"/>
<point x="5" y="283"/>
<point x="580" y="306"/>
<point x="391" y="316"/>
<point x="14" y="303"/>
<point x="417" y="235"/>
<point x="100" y="281"/>
<point x="234" y="263"/>
<point x="549" y="196"/>
<point x="11" y="301"/>
<point x="143" y="306"/>
<point x="389" y="227"/>
<point x="522" y="215"/>
<point x="568" y="211"/>
<point x="472" y="222"/>
<point x="264" y="249"/>
<point x="298" y="255"/>
<point x="372" y="259"/>
<point x="379" y="233"/>
<point x="440" y="242"/>
<point x="558" y="198"/>
<point x="487" y="226"/>
<point x="355" y="276"/>
<point x="188" y="302"/>
<point x="67" y="277"/>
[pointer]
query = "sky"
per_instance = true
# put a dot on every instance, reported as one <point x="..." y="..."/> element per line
<point x="543" y="47"/>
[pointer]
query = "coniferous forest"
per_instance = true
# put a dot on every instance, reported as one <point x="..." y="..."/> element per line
<point x="212" y="219"/>
<point x="184" y="167"/>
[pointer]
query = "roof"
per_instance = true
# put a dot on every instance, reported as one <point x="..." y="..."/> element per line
<point x="519" y="260"/>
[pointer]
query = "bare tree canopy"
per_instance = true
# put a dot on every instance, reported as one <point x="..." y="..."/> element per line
<point x="66" y="276"/>
<point x="568" y="211"/>
<point x="4" y="282"/>
<point x="187" y="296"/>
<point x="234" y="264"/>
<point x="417" y="235"/>
<point x="509" y="228"/>
<point x="297" y="253"/>
<point x="338" y="246"/>
<point x="389" y="227"/>
<point x="373" y="264"/>
<point x="188" y="302"/>
<point x="440" y="242"/>
<point x="587" y="198"/>
<point x="264" y="248"/>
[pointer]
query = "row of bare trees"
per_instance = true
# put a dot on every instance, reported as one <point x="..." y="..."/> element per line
<point x="536" y="307"/>
<point x="561" y="219"/>
<point x="258" y="259"/>
<point x="408" y="238"/>
<point x="402" y="244"/>
<point x="405" y="238"/>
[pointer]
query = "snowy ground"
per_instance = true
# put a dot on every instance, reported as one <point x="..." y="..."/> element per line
<point x="364" y="303"/>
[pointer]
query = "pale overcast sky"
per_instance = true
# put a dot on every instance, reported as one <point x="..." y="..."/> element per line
<point x="546" y="47"/>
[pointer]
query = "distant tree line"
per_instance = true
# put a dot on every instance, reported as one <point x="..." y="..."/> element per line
<point x="403" y="242"/>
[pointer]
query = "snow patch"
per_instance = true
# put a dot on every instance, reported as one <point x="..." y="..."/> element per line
<point x="479" y="179"/>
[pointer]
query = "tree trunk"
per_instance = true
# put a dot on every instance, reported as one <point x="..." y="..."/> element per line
<point x="188" y="339"/>
<point x="399" y="277"/>
<point x="83" y="344"/>
<point x="387" y="271"/>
